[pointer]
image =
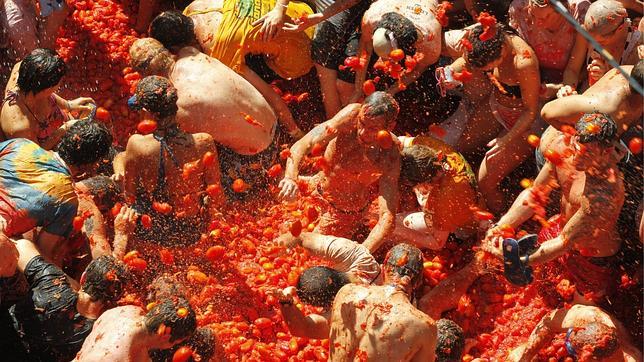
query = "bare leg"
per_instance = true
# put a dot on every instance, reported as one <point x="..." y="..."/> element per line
<point x="495" y="168"/>
<point x="19" y="18"/>
<point x="328" y="78"/>
<point x="345" y="89"/>
<point x="147" y="9"/>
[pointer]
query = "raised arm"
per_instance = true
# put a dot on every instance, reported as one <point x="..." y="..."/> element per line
<point x="365" y="47"/>
<point x="568" y="110"/>
<point x="322" y="134"/>
<point x="530" y="83"/>
<point x="300" y="325"/>
<point x="313" y="19"/>
<point x="388" y="199"/>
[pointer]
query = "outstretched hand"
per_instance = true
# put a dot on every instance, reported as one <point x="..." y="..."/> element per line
<point x="271" y="23"/>
<point x="288" y="189"/>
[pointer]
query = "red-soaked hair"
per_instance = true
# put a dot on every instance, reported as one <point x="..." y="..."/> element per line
<point x="594" y="341"/>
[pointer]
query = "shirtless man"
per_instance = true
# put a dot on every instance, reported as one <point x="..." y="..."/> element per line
<point x="351" y="263"/>
<point x="612" y="95"/>
<point x="379" y="323"/>
<point x="394" y="24"/>
<point x="288" y="57"/>
<point x="591" y="334"/>
<point x="54" y="318"/>
<point x="212" y="98"/>
<point x="177" y="202"/>
<point x="352" y="162"/>
<point x="128" y="333"/>
<point x="584" y="234"/>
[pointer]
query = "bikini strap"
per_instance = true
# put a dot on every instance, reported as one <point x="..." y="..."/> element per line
<point x="164" y="147"/>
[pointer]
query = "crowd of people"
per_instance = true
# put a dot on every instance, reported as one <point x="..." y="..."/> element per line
<point x="433" y="113"/>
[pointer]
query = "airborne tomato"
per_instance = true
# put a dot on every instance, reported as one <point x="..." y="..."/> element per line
<point x="635" y="145"/>
<point x="296" y="228"/>
<point x="146" y="221"/>
<point x="534" y="140"/>
<point x="368" y="87"/>
<point x="208" y="159"/>
<point x="102" y="114"/>
<point x="384" y="139"/>
<point x="274" y="171"/>
<point x="162" y="207"/>
<point x="240" y="185"/>
<point x="397" y="55"/>
<point x="137" y="264"/>
<point x="213" y="190"/>
<point x="78" y="222"/>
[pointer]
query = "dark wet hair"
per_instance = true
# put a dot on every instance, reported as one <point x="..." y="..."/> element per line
<point x="318" y="285"/>
<point x="419" y="163"/>
<point x="105" y="279"/>
<point x="106" y="165"/>
<point x="485" y="52"/>
<point x="406" y="260"/>
<point x="607" y="129"/>
<point x="594" y="341"/>
<point x="104" y="190"/>
<point x="450" y="342"/>
<point x="41" y="69"/>
<point x="165" y="312"/>
<point x="381" y="104"/>
<point x="157" y="95"/>
<point x="172" y="28"/>
<point x="404" y="31"/>
<point x="498" y="8"/>
<point x="84" y="143"/>
<point x="637" y="73"/>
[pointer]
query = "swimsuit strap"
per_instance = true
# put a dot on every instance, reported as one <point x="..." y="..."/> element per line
<point x="161" y="178"/>
<point x="569" y="348"/>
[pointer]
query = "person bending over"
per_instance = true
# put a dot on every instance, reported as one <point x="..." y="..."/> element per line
<point x="31" y="108"/>
<point x="135" y="332"/>
<point x="37" y="186"/>
<point x="353" y="161"/>
<point x="591" y="335"/>
<point x="54" y="319"/>
<point x="182" y="190"/>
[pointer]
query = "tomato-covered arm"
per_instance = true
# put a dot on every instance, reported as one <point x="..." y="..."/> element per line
<point x="530" y="84"/>
<point x="321" y="134"/>
<point x="445" y="296"/>
<point x="542" y="334"/>
<point x="365" y="47"/>
<point x="94" y="229"/>
<point x="212" y="178"/>
<point x="388" y="199"/>
<point x="568" y="110"/>
<point x="430" y="56"/>
<point x="300" y="325"/>
<point x="575" y="62"/>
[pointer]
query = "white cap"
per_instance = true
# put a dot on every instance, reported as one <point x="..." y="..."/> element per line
<point x="384" y="42"/>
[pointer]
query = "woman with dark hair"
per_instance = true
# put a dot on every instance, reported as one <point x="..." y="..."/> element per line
<point x="31" y="109"/>
<point x="505" y="121"/>
<point x="552" y="38"/>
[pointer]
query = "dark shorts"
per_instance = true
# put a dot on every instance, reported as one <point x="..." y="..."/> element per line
<point x="333" y="35"/>
<point x="46" y="320"/>
<point x="250" y="168"/>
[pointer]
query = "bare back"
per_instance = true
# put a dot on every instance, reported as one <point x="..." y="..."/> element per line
<point x="142" y="169"/>
<point x="206" y="15"/>
<point x="378" y="323"/>
<point x="114" y="337"/>
<point x="216" y="100"/>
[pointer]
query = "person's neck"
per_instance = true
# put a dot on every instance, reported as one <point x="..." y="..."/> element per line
<point x="86" y="307"/>
<point x="32" y="99"/>
<point x="168" y="127"/>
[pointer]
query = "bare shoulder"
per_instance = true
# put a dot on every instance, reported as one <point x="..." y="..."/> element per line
<point x="138" y="145"/>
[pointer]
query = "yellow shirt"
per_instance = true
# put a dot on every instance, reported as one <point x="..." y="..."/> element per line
<point x="289" y="54"/>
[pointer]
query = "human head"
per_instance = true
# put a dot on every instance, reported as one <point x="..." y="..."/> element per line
<point x="544" y="14"/>
<point x="318" y="285"/>
<point x="394" y="31"/>
<point x="104" y="279"/>
<point x="106" y="165"/>
<point x="595" y="133"/>
<point x="607" y="21"/>
<point x="637" y="73"/>
<point x="203" y="342"/>
<point x="419" y="163"/>
<point x="172" y="28"/>
<point x="164" y="314"/>
<point x="594" y="341"/>
<point x="404" y="260"/>
<point x="83" y="145"/>
<point x="488" y="54"/>
<point x="450" y="342"/>
<point x="42" y="69"/>
<point x="498" y="8"/>
<point x="149" y="57"/>
<point x="156" y="95"/>
<point x="378" y="112"/>
<point x="104" y="191"/>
